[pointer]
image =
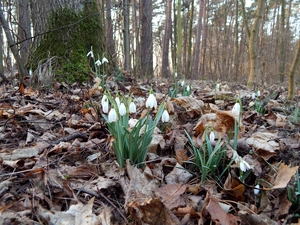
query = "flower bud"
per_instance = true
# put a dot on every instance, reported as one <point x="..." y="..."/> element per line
<point x="122" y="109"/>
<point x="212" y="136"/>
<point x="105" y="104"/>
<point x="165" y="116"/>
<point x="132" y="107"/>
<point x="112" y="115"/>
<point x="151" y="101"/>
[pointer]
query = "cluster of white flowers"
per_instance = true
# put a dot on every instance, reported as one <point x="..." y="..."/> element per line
<point x="255" y="94"/>
<point x="112" y="115"/>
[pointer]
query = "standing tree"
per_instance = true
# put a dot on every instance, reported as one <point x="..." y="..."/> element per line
<point x="282" y="42"/>
<point x="146" y="39"/>
<point x="292" y="71"/>
<point x="179" y="38"/>
<point x="165" y="70"/>
<point x="126" y="34"/>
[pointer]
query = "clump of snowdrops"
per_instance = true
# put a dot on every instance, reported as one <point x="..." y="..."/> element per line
<point x="131" y="137"/>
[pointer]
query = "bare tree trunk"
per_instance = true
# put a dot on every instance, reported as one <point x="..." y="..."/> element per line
<point x="146" y="39"/>
<point x="14" y="50"/>
<point x="24" y="28"/>
<point x="282" y="42"/>
<point x="205" y="19"/>
<point x="254" y="69"/>
<point x="236" y="40"/>
<point x="1" y="50"/>
<point x="165" y="70"/>
<point x="198" y="39"/>
<point x="126" y="34"/>
<point x="179" y="38"/>
<point x="292" y="72"/>
<point x="189" y="58"/>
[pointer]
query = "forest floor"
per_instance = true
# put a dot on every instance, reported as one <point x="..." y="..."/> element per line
<point x="57" y="165"/>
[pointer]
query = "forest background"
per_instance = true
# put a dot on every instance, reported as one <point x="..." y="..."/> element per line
<point x="253" y="42"/>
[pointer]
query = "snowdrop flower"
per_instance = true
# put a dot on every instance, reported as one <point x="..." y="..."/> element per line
<point x="132" y="107"/>
<point x="105" y="104"/>
<point x="175" y="74"/>
<point x="117" y="99"/>
<point x="98" y="63"/>
<point x="256" y="191"/>
<point x="165" y="116"/>
<point x="122" y="109"/>
<point x="151" y="101"/>
<point x="258" y="93"/>
<point x="236" y="110"/>
<point x="212" y="136"/>
<point x="217" y="86"/>
<point x="30" y="72"/>
<point x="188" y="88"/>
<point x="244" y="166"/>
<point x="90" y="53"/>
<point x="253" y="95"/>
<point x="112" y="115"/>
<point x="182" y="83"/>
<point x="104" y="60"/>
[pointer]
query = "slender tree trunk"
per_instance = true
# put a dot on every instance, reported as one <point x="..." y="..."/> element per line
<point x="282" y="42"/>
<point x="254" y="70"/>
<point x="189" y="58"/>
<point x="236" y="40"/>
<point x="165" y="70"/>
<point x="146" y="39"/>
<point x="205" y="19"/>
<point x="292" y="72"/>
<point x="179" y="38"/>
<point x="174" y="37"/>
<point x="126" y="34"/>
<point x="198" y="40"/>
<point x="24" y="28"/>
<point x="14" y="50"/>
<point x="109" y="32"/>
<point x="1" y="50"/>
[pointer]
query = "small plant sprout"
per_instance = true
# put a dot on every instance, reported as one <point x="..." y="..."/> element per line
<point x="105" y="104"/>
<point x="256" y="189"/>
<point x="132" y="107"/>
<point x="165" y="116"/>
<point x="151" y="100"/>
<point x="122" y="109"/>
<point x="112" y="115"/>
<point x="173" y="93"/>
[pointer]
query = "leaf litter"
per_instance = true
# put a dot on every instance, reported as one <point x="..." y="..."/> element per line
<point x="58" y="167"/>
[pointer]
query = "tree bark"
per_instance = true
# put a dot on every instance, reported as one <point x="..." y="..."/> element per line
<point x="282" y="42"/>
<point x="126" y="34"/>
<point x="292" y="72"/>
<point x="198" y="39"/>
<point x="14" y="50"/>
<point x="254" y="69"/>
<point x="179" y="39"/>
<point x="165" y="70"/>
<point x="146" y="39"/>
<point x="189" y="58"/>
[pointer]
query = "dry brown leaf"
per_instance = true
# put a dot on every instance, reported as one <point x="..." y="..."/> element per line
<point x="151" y="211"/>
<point x="284" y="174"/>
<point x="218" y="215"/>
<point x="234" y="188"/>
<point x="171" y="195"/>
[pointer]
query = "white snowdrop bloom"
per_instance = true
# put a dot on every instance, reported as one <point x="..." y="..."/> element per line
<point x="212" y="136"/>
<point x="112" y="115"/>
<point x="132" y="107"/>
<point x="217" y="86"/>
<point x="244" y="166"/>
<point x="98" y="63"/>
<point x="105" y="104"/>
<point x="182" y="83"/>
<point x="256" y="191"/>
<point x="117" y="99"/>
<point x="90" y="53"/>
<point x="236" y="109"/>
<point x="175" y="74"/>
<point x="253" y="95"/>
<point x="151" y="101"/>
<point x="30" y="72"/>
<point x="122" y="109"/>
<point x="188" y="88"/>
<point x="104" y="60"/>
<point x="165" y="116"/>
<point x="258" y="93"/>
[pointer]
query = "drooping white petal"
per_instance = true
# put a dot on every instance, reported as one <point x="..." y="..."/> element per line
<point x="188" y="88"/>
<point x="212" y="136"/>
<point x="236" y="109"/>
<point x="182" y="83"/>
<point x="90" y="53"/>
<point x="132" y="107"/>
<point x="117" y="99"/>
<point x="256" y="191"/>
<point x="98" y="63"/>
<point x="104" y="60"/>
<point x="105" y="104"/>
<point x="112" y="115"/>
<point x="151" y="101"/>
<point x="175" y="74"/>
<point x="122" y="109"/>
<point x="258" y="93"/>
<point x="165" y="116"/>
<point x="253" y="95"/>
